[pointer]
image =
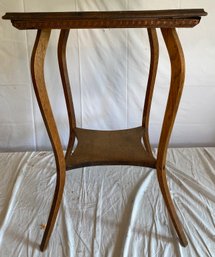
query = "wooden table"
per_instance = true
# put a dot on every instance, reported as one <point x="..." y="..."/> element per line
<point x="124" y="147"/>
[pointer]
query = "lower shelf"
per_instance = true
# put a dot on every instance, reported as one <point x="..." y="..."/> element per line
<point x="121" y="147"/>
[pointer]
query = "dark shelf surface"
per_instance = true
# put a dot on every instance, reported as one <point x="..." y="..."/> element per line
<point x="121" y="147"/>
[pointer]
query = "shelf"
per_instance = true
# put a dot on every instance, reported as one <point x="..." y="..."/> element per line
<point x="121" y="147"/>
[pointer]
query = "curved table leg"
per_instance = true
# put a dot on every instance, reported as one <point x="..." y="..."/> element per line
<point x="37" y="71"/>
<point x="176" y="86"/>
<point x="154" y="46"/>
<point x="66" y="88"/>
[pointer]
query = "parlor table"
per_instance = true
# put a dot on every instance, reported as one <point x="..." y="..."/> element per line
<point x="121" y="147"/>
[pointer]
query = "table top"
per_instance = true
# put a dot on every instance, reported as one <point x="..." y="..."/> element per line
<point x="109" y="19"/>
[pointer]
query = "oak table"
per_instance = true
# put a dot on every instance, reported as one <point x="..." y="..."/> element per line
<point x="124" y="147"/>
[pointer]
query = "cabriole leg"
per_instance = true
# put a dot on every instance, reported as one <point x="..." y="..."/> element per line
<point x="37" y="71"/>
<point x="154" y="47"/>
<point x="66" y="88"/>
<point x="176" y="86"/>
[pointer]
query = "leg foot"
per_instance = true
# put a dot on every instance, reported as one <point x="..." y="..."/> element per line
<point x="161" y="175"/>
<point x="53" y="212"/>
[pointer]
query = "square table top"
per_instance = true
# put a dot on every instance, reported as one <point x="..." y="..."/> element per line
<point x="107" y="19"/>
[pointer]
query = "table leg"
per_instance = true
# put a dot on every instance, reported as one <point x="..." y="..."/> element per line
<point x="37" y="71"/>
<point x="154" y="46"/>
<point x="176" y="86"/>
<point x="66" y="88"/>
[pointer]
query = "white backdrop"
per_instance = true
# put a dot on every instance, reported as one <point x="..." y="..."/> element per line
<point x="108" y="71"/>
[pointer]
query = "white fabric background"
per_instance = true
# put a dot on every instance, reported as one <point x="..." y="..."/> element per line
<point x="108" y="71"/>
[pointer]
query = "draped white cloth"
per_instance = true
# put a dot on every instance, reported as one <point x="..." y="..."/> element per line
<point x="108" y="211"/>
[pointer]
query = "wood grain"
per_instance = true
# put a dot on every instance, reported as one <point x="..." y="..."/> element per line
<point x="154" y="48"/>
<point x="176" y="86"/>
<point x="66" y="88"/>
<point x="37" y="71"/>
